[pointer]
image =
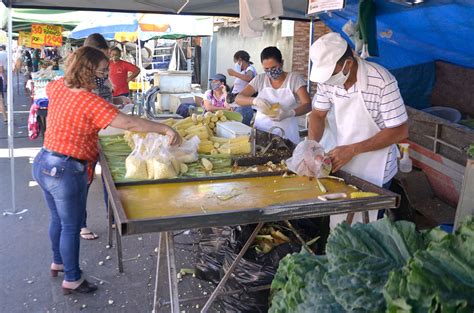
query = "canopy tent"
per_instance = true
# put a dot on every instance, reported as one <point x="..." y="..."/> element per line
<point x="293" y="9"/>
<point x="23" y="18"/>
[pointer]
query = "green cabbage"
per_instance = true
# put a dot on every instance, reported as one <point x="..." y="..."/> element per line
<point x="438" y="279"/>
<point x="381" y="267"/>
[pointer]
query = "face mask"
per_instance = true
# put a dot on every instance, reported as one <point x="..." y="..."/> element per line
<point x="100" y="81"/>
<point x="215" y="86"/>
<point x="115" y="58"/>
<point x="338" y="79"/>
<point x="237" y="67"/>
<point x="274" y="73"/>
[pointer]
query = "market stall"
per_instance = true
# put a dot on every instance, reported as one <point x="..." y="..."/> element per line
<point x="192" y="202"/>
<point x="222" y="193"/>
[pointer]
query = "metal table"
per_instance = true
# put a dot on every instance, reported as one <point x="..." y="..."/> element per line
<point x="186" y="204"/>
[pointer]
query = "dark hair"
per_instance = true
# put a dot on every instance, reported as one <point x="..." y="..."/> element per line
<point x="243" y="55"/>
<point x="96" y="41"/>
<point x="116" y="49"/>
<point x="271" y="53"/>
<point x="81" y="66"/>
<point x="347" y="55"/>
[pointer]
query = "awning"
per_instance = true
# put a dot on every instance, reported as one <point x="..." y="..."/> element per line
<point x="293" y="9"/>
<point x="23" y="18"/>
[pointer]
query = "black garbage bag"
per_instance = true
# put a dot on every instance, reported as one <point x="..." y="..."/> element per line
<point x="212" y="251"/>
<point x="244" y="301"/>
<point x="219" y="247"/>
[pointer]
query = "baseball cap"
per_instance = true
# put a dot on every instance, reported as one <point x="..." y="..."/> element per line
<point x="324" y="53"/>
<point x="220" y="77"/>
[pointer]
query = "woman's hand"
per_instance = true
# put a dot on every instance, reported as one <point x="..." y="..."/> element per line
<point x="175" y="138"/>
<point x="224" y="90"/>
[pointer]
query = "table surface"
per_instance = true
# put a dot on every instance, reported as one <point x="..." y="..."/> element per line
<point x="203" y="197"/>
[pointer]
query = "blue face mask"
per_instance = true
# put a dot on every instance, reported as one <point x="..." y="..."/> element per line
<point x="274" y="73"/>
<point x="215" y="86"/>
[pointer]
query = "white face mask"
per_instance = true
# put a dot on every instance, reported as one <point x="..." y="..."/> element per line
<point x="338" y="79"/>
<point x="237" y="67"/>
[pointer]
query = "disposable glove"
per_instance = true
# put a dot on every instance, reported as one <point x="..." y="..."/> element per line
<point x="283" y="114"/>
<point x="261" y="105"/>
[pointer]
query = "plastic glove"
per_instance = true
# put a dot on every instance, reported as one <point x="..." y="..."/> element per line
<point x="261" y="105"/>
<point x="282" y="114"/>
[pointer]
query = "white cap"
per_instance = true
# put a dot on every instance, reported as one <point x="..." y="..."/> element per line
<point x="324" y="53"/>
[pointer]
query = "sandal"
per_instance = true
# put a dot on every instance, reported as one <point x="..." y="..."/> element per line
<point x="89" y="235"/>
<point x="84" y="287"/>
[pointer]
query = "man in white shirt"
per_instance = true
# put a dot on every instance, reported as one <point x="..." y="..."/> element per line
<point x="358" y="113"/>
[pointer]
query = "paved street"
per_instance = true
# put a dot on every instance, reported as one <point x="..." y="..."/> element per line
<point x="25" y="254"/>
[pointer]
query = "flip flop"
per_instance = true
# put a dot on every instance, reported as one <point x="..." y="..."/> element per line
<point x="89" y="235"/>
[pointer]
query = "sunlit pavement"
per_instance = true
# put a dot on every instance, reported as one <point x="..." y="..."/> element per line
<point x="25" y="253"/>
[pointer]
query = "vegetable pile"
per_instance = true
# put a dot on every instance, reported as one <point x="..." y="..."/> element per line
<point x="381" y="267"/>
<point x="204" y="126"/>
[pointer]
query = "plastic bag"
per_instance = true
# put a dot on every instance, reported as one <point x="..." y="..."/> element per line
<point x="187" y="152"/>
<point x="135" y="163"/>
<point x="160" y="162"/>
<point x="309" y="160"/>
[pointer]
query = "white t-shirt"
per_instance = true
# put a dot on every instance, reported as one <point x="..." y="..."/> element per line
<point x="240" y="84"/>
<point x="382" y="99"/>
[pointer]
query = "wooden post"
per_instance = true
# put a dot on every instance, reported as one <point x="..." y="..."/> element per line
<point x="466" y="200"/>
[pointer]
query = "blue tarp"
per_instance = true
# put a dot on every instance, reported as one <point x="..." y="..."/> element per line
<point x="433" y="30"/>
<point x="410" y="39"/>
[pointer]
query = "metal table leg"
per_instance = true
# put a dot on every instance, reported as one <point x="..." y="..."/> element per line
<point x="119" y="249"/>
<point x="224" y="279"/>
<point x="161" y="246"/>
<point x="173" y="281"/>
<point x="110" y="216"/>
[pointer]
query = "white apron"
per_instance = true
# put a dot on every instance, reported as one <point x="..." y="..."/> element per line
<point x="286" y="98"/>
<point x="355" y="124"/>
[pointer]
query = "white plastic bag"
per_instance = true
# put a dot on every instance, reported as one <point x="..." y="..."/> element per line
<point x="309" y="160"/>
<point x="135" y="163"/>
<point x="159" y="160"/>
<point x="187" y="152"/>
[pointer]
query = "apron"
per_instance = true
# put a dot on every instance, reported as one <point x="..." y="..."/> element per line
<point x="355" y="124"/>
<point x="283" y="95"/>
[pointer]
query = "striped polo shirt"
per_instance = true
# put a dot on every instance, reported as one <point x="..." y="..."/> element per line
<point x="382" y="99"/>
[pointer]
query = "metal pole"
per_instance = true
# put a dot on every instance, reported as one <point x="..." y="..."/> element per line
<point x="161" y="248"/>
<point x="10" y="108"/>
<point x="211" y="43"/>
<point x="140" y="58"/>
<point x="173" y="281"/>
<point x="311" y="38"/>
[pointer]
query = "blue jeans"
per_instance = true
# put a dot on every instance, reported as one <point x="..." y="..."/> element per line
<point x="247" y="114"/>
<point x="64" y="184"/>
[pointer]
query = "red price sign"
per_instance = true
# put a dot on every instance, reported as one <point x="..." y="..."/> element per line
<point x="46" y="35"/>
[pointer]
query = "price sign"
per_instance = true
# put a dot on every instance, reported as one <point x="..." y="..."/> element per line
<point x="319" y="6"/>
<point x="46" y="35"/>
<point x="24" y="39"/>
